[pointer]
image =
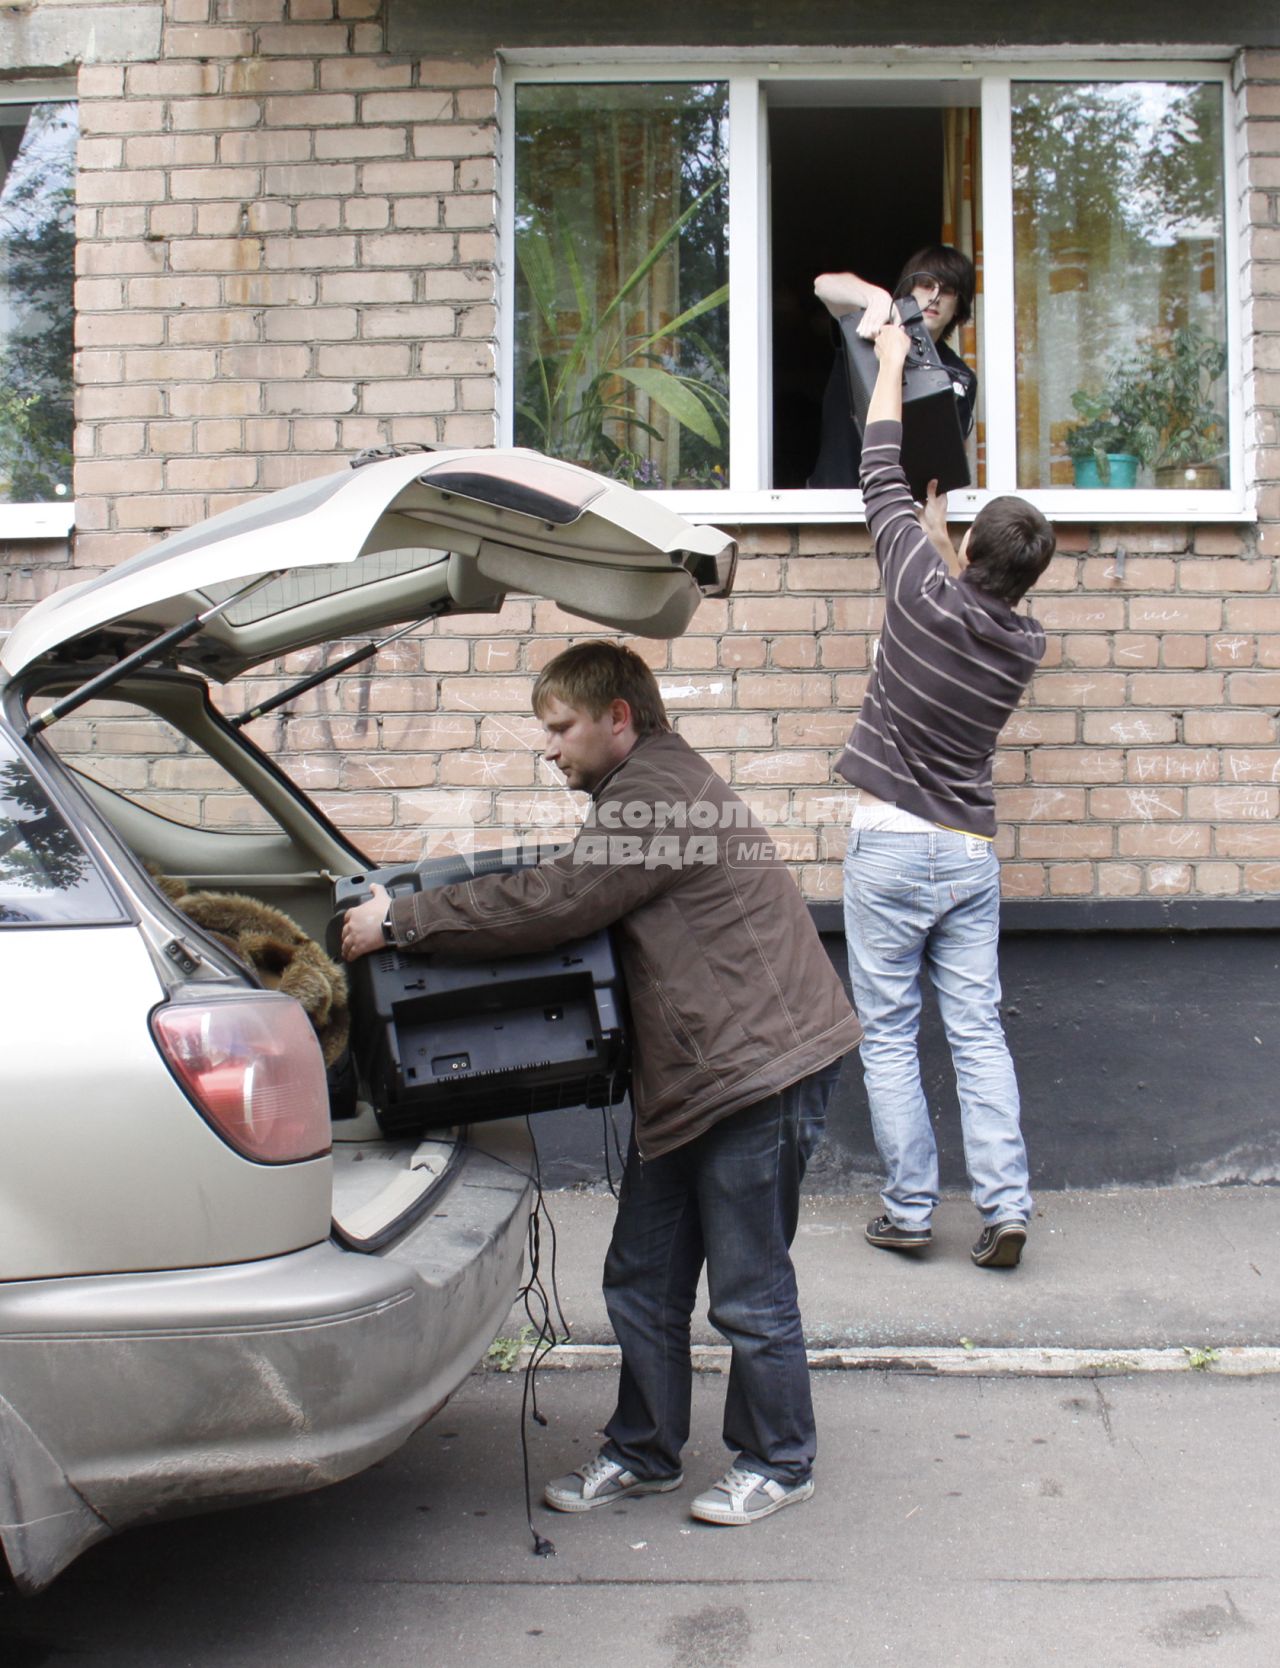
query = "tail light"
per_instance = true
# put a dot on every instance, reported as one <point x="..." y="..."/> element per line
<point x="253" y="1068"/>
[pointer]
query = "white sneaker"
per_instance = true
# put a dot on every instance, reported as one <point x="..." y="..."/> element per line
<point x="598" y="1482"/>
<point x="743" y="1496"/>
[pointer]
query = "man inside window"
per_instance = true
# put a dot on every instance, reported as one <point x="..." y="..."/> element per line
<point x="942" y="281"/>
<point x="922" y="882"/>
<point x="739" y="1023"/>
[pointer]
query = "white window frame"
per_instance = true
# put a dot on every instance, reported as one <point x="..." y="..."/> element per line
<point x="37" y="521"/>
<point x="749" y="77"/>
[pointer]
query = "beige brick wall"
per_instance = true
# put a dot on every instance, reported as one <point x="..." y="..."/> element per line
<point x="287" y="253"/>
<point x="1144" y="763"/>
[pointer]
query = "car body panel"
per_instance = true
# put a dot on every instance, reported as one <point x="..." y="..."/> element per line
<point x="142" y="1181"/>
<point x="245" y="1382"/>
<point x="413" y="534"/>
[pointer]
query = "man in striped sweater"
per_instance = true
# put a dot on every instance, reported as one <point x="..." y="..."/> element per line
<point x="922" y="882"/>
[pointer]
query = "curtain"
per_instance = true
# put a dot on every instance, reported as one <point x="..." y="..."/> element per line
<point x="962" y="228"/>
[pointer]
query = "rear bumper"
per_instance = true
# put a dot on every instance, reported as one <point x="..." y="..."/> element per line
<point x="132" y="1396"/>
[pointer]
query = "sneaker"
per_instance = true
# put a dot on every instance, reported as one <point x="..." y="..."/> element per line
<point x="600" y="1481"/>
<point x="1000" y="1244"/>
<point x="743" y="1496"/>
<point x="885" y="1232"/>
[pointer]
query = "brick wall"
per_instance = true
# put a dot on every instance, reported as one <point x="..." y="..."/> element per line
<point x="287" y="253"/>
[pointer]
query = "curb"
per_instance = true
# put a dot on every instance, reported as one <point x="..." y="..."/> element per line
<point x="1233" y="1361"/>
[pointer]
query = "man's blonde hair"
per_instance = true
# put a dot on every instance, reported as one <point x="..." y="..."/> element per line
<point x="594" y="674"/>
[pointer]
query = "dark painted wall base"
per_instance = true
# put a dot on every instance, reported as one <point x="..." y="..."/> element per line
<point x="1144" y="1059"/>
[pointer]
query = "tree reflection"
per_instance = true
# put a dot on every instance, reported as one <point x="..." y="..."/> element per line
<point x="1144" y="156"/>
<point x="37" y="262"/>
<point x="38" y="852"/>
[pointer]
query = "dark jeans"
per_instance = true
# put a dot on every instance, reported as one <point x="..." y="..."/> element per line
<point x="730" y="1198"/>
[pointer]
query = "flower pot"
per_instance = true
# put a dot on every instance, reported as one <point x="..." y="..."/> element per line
<point x="1189" y="477"/>
<point x="1122" y="467"/>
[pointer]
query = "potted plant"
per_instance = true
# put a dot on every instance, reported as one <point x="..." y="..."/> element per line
<point x="1105" y="445"/>
<point x="587" y="363"/>
<point x="1158" y="407"/>
<point x="1181" y="411"/>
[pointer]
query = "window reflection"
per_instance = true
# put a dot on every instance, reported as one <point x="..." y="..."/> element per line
<point x="1120" y="284"/>
<point x="37" y="262"/>
<point x="45" y="874"/>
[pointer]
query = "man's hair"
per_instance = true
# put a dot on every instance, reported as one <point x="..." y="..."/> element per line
<point x="594" y="674"/>
<point x="948" y="266"/>
<point x="1010" y="546"/>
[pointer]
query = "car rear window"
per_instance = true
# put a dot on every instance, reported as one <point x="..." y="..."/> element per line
<point x="46" y="875"/>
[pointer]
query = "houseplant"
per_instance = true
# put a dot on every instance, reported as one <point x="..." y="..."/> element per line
<point x="1180" y="410"/>
<point x="1157" y="407"/>
<point x="1106" y="445"/>
<point x="586" y="363"/>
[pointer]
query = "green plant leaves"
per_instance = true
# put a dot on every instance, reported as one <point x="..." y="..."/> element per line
<point x="675" y="397"/>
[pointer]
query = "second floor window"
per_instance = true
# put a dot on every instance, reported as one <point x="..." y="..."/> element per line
<point x="665" y="228"/>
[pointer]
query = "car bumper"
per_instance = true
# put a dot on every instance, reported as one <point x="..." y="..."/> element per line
<point x="131" y="1396"/>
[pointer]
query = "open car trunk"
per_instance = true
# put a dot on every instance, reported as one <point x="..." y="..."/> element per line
<point x="112" y="675"/>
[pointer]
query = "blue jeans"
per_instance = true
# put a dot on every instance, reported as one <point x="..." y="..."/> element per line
<point x="731" y="1198"/>
<point x="933" y="901"/>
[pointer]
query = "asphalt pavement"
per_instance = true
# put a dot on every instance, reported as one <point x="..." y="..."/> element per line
<point x="1073" y="1461"/>
<point x="1125" y="1522"/>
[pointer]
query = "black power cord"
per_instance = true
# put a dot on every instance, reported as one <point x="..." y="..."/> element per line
<point x="538" y="1306"/>
<point x="543" y="1309"/>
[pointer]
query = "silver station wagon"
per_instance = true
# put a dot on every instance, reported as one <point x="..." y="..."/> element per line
<point x="212" y="1288"/>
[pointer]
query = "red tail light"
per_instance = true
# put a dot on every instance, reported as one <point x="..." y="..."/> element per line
<point x="253" y="1067"/>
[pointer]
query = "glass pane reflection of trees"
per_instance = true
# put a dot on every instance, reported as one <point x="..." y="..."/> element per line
<point x="45" y="873"/>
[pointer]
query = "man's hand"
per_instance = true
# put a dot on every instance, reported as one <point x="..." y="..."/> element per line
<point x="892" y="345"/>
<point x="879" y="309"/>
<point x="845" y="292"/>
<point x="362" y="928"/>
<point x="933" y="518"/>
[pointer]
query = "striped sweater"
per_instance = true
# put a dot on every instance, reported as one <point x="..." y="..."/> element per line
<point x="952" y="665"/>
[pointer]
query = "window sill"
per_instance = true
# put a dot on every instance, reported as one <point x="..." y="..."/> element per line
<point x="1061" y="506"/>
<point x="36" y="521"/>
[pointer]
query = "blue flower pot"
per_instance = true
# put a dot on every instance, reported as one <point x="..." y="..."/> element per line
<point x="1123" y="468"/>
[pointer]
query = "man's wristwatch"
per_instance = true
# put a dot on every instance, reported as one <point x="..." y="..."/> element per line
<point x="388" y="933"/>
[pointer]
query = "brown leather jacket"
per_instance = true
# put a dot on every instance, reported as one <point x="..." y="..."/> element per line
<point x="732" y="996"/>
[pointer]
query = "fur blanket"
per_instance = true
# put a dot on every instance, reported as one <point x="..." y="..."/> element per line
<point x="278" y="951"/>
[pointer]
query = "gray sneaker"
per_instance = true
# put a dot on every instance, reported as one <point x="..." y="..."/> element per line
<point x="891" y="1236"/>
<point x="1000" y="1244"/>
<point x="743" y="1496"/>
<point x="599" y="1481"/>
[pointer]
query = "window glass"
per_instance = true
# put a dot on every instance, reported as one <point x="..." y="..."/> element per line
<point x="45" y="873"/>
<point x="622" y="267"/>
<point x="1120" y="284"/>
<point x="145" y="760"/>
<point x="37" y="260"/>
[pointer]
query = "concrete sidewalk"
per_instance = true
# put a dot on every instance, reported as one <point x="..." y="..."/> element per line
<point x="1179" y="1270"/>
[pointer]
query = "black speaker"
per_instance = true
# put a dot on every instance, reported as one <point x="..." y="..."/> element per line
<point x="932" y="438"/>
<point x="441" y="1040"/>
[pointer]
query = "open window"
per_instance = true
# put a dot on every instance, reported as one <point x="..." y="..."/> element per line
<point x="860" y="176"/>
<point x="666" y="229"/>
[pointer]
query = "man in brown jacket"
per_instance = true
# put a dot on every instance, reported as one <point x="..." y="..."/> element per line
<point x="739" y="1024"/>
